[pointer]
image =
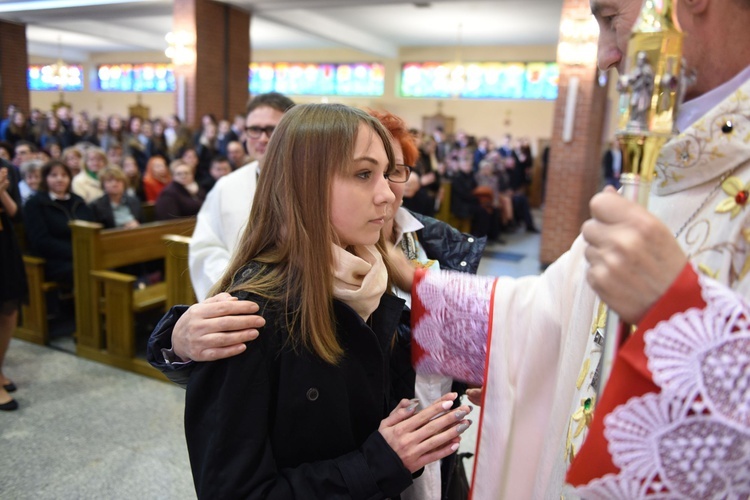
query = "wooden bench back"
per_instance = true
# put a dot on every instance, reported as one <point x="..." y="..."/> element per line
<point x="98" y="249"/>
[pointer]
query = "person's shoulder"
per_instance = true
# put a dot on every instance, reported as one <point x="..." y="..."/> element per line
<point x="76" y="199"/>
<point x="244" y="172"/>
<point x="132" y="200"/>
<point x="37" y="199"/>
<point x="100" y="202"/>
<point x="234" y="183"/>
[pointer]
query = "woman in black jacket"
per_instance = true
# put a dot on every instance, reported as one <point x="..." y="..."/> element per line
<point x="183" y="196"/>
<point x="303" y="412"/>
<point x="47" y="214"/>
<point x="428" y="241"/>
<point x="116" y="208"/>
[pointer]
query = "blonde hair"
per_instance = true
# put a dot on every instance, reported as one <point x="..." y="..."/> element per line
<point x="97" y="152"/>
<point x="179" y="163"/>
<point x="72" y="150"/>
<point x="112" y="172"/>
<point x="289" y="233"/>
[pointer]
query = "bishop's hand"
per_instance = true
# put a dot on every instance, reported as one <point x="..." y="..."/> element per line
<point x="633" y="257"/>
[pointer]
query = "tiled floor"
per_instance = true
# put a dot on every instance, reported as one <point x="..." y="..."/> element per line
<point x="86" y="430"/>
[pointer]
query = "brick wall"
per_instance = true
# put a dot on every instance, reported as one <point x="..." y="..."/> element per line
<point x="574" y="167"/>
<point x="14" y="61"/>
<point x="217" y="81"/>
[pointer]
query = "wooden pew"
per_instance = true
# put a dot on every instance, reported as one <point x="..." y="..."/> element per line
<point x="177" y="272"/>
<point x="33" y="325"/>
<point x="148" y="211"/>
<point x="102" y="292"/>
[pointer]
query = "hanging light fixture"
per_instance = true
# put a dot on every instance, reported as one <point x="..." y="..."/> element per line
<point x="58" y="73"/>
<point x="181" y="49"/>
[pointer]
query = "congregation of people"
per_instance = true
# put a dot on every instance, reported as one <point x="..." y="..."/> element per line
<point x="59" y="167"/>
<point x="121" y="173"/>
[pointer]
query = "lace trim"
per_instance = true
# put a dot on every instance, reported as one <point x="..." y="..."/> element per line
<point x="691" y="440"/>
<point x="453" y="330"/>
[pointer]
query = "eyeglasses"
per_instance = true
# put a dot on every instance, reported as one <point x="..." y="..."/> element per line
<point x="256" y="132"/>
<point x="400" y="174"/>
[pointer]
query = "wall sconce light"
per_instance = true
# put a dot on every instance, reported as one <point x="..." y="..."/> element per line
<point x="578" y="41"/>
<point x="181" y="48"/>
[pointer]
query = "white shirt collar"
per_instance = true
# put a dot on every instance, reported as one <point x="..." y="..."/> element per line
<point x="691" y="111"/>
<point x="405" y="222"/>
<point x="54" y="198"/>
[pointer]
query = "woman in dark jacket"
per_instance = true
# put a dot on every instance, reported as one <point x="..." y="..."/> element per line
<point x="116" y="208"/>
<point x="47" y="214"/>
<point x="183" y="196"/>
<point x="422" y="239"/>
<point x="303" y="412"/>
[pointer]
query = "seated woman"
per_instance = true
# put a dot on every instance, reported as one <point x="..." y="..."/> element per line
<point x="116" y="208"/>
<point x="46" y="217"/>
<point x="303" y="412"/>
<point x="86" y="184"/>
<point x="183" y="196"/>
<point x="133" y="181"/>
<point x="157" y="177"/>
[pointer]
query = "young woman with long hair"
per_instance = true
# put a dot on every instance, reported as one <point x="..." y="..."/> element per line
<point x="304" y="411"/>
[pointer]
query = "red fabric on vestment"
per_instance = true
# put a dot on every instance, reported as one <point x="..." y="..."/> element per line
<point x="631" y="377"/>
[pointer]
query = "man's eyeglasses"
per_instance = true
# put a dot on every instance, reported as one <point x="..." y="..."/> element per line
<point x="400" y="174"/>
<point x="256" y="132"/>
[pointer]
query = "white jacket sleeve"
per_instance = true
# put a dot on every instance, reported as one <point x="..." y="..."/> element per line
<point x="209" y="253"/>
<point x="221" y="220"/>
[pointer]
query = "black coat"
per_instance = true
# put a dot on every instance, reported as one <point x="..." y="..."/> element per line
<point x="454" y="250"/>
<point x="175" y="201"/>
<point x="102" y="212"/>
<point x="274" y="423"/>
<point x="46" y="225"/>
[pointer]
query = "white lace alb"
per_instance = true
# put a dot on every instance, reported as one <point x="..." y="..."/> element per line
<point x="454" y="304"/>
<point x="691" y="440"/>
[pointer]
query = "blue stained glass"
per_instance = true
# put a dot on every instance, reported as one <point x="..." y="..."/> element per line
<point x="136" y="78"/>
<point x="541" y="81"/>
<point x="362" y="79"/>
<point x="44" y="77"/>
<point x="489" y="80"/>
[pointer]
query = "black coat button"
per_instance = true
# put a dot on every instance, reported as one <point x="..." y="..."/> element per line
<point x="312" y="394"/>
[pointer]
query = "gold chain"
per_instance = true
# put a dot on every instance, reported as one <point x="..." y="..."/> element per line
<point x="724" y="177"/>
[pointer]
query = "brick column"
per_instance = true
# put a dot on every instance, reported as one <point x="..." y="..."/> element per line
<point x="574" y="166"/>
<point x="14" y="62"/>
<point x="216" y="81"/>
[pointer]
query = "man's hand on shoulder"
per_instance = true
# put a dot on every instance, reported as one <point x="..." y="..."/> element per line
<point x="216" y="328"/>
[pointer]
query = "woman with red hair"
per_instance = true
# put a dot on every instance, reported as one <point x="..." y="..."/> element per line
<point x="157" y="177"/>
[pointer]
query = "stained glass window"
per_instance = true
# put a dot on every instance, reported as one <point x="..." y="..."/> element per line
<point x="136" y="77"/>
<point x="50" y="77"/>
<point x="488" y="80"/>
<point x="356" y="79"/>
